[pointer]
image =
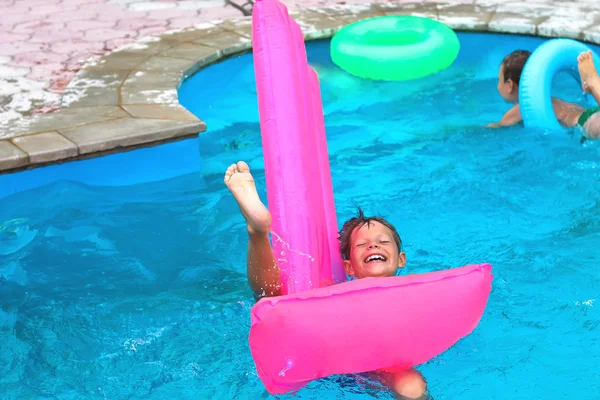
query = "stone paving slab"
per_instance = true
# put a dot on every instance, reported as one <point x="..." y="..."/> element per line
<point x="569" y="21"/>
<point x="76" y="116"/>
<point x="87" y="78"/>
<point x="153" y="79"/>
<point x="92" y="96"/>
<point x="466" y="16"/>
<point x="11" y="157"/>
<point x="46" y="147"/>
<point x="189" y="51"/>
<point x="242" y="26"/>
<point x="160" y="111"/>
<point x="119" y="61"/>
<point x="324" y="23"/>
<point x="147" y="95"/>
<point x="159" y="63"/>
<point x="128" y="98"/>
<point x="195" y="33"/>
<point x="419" y="9"/>
<point x="127" y="132"/>
<point x="149" y="45"/>
<point x="227" y="42"/>
<point x="349" y="14"/>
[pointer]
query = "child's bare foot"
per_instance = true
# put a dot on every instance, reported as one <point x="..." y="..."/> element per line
<point x="590" y="82"/>
<point x="241" y="184"/>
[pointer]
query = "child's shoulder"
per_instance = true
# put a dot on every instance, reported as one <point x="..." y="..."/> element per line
<point x="514" y="110"/>
<point x="512" y="116"/>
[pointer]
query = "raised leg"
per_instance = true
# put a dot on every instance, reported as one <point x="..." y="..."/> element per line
<point x="263" y="271"/>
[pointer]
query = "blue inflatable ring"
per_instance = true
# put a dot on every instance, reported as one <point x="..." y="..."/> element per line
<point x="535" y="88"/>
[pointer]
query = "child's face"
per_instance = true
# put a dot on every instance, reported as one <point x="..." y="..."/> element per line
<point x="507" y="89"/>
<point x="373" y="252"/>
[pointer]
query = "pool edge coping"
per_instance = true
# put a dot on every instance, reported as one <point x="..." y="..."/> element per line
<point x="128" y="98"/>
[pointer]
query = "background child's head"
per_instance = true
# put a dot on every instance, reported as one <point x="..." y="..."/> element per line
<point x="371" y="247"/>
<point x="509" y="75"/>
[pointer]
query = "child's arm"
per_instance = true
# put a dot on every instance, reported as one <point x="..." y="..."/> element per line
<point x="512" y="117"/>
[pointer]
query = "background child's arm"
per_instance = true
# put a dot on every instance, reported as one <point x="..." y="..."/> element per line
<point x="512" y="117"/>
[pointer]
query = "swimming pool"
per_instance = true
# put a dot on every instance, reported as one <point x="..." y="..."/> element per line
<point x="124" y="276"/>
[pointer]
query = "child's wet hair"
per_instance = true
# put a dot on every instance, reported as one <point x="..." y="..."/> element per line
<point x="513" y="65"/>
<point x="356" y="222"/>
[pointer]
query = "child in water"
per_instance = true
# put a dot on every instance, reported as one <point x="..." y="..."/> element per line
<point x="371" y="247"/>
<point x="569" y="115"/>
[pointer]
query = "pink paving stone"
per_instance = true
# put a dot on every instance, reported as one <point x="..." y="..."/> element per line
<point x="15" y="19"/>
<point x="45" y="9"/>
<point x="38" y="25"/>
<point x="84" y="25"/>
<point x="83" y="3"/>
<point x="22" y="8"/>
<point x="33" y="3"/>
<point x="77" y="15"/>
<point x="37" y="57"/>
<point x="7" y="37"/>
<point x="67" y="8"/>
<point x="77" y="46"/>
<point x="106" y="9"/>
<point x="15" y="11"/>
<point x="149" y="5"/>
<point x="114" y="18"/>
<point x="208" y="14"/>
<point x="10" y="49"/>
<point x="120" y="14"/>
<point x="43" y="72"/>
<point x="53" y="36"/>
<point x="171" y="13"/>
<point x="107" y="34"/>
<point x="137" y="23"/>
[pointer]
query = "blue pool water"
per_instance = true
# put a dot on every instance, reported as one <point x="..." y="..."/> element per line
<point x="123" y="277"/>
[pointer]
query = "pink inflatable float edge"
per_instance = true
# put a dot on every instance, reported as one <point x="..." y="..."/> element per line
<point x="365" y="325"/>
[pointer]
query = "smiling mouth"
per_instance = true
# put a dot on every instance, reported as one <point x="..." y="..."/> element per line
<point x="376" y="258"/>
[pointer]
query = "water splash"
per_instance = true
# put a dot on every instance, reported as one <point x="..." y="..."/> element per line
<point x="589" y="303"/>
<point x="150" y="337"/>
<point x="287" y="247"/>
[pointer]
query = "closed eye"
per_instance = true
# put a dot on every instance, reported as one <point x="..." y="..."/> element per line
<point x="360" y="244"/>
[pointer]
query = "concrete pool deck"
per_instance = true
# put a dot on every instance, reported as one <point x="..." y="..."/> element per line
<point x="128" y="98"/>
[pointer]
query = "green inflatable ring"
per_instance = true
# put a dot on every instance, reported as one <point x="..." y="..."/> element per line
<point x="394" y="48"/>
